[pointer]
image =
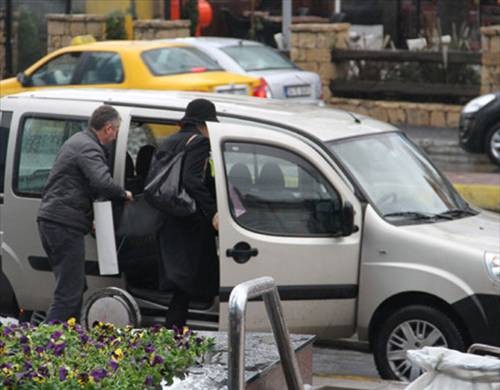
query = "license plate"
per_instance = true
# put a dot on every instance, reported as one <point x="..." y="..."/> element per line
<point x="297" y="91"/>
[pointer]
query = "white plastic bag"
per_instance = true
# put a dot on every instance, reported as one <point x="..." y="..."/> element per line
<point x="449" y="369"/>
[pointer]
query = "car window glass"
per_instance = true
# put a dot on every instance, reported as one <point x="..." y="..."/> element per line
<point x="143" y="138"/>
<point x="274" y="191"/>
<point x="40" y="141"/>
<point x="256" y="57"/>
<point x="411" y="185"/>
<point x="173" y="60"/>
<point x="58" y="71"/>
<point x="102" y="68"/>
<point x="5" y="119"/>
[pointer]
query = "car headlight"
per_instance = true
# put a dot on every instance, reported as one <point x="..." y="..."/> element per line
<point x="492" y="261"/>
<point x="478" y="103"/>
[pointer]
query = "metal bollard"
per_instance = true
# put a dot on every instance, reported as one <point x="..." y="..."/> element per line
<point x="238" y="299"/>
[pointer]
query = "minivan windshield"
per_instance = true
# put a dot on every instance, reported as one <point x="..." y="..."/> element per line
<point x="399" y="181"/>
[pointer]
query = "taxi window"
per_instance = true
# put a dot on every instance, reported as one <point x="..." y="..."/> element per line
<point x="39" y="142"/>
<point x="102" y="68"/>
<point x="175" y="60"/>
<point x="58" y="71"/>
<point x="274" y="191"/>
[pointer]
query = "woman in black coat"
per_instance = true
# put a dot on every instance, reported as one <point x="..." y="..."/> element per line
<point x="189" y="264"/>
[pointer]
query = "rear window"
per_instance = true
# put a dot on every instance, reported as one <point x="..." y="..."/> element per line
<point x="5" y="119"/>
<point x="39" y="142"/>
<point x="256" y="57"/>
<point x="175" y="60"/>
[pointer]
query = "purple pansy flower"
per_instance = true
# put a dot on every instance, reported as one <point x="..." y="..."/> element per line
<point x="59" y="348"/>
<point x="98" y="374"/>
<point x="56" y="335"/>
<point x="113" y="364"/>
<point x="149" y="348"/>
<point x="148" y="381"/>
<point x="63" y="373"/>
<point x="157" y="359"/>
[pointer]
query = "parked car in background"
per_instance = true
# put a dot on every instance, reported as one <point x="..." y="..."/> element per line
<point x="284" y="79"/>
<point x="131" y="64"/>
<point x="479" y="129"/>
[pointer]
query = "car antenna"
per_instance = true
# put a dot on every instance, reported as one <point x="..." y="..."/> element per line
<point x="356" y="119"/>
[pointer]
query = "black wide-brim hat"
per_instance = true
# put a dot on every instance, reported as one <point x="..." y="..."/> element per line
<point x="200" y="110"/>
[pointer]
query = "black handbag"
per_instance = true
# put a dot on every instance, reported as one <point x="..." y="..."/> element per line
<point x="166" y="191"/>
<point x="138" y="219"/>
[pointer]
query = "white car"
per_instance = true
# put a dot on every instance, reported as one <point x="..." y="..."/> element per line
<point x="360" y="231"/>
<point x="283" y="78"/>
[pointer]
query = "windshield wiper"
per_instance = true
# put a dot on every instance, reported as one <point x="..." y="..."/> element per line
<point x="453" y="213"/>
<point x="415" y="215"/>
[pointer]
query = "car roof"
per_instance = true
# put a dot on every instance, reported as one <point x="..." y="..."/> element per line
<point x="124" y="45"/>
<point x="216" y="41"/>
<point x="325" y="123"/>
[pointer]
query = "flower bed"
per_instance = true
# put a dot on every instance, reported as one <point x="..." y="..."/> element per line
<point x="65" y="356"/>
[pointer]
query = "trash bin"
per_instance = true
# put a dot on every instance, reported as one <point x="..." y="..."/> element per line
<point x="449" y="369"/>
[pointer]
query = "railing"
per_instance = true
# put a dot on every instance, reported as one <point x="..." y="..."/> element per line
<point x="402" y="87"/>
<point x="266" y="288"/>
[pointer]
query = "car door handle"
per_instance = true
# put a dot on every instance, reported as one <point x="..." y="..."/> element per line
<point x="242" y="252"/>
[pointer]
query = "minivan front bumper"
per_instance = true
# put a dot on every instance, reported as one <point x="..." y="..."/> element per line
<point x="481" y="315"/>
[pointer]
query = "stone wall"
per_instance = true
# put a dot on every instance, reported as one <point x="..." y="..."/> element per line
<point x="399" y="112"/>
<point x="490" y="69"/>
<point x="62" y="28"/>
<point x="158" y="29"/>
<point x="311" y="48"/>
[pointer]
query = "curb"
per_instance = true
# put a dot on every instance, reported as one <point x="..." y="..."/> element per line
<point x="484" y="196"/>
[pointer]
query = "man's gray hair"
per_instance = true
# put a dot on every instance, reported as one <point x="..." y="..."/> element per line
<point x="103" y="115"/>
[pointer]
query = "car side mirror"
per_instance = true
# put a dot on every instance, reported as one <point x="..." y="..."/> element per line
<point x="24" y="79"/>
<point x="348" y="226"/>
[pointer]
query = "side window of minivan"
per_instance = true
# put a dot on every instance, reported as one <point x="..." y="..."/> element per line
<point x="40" y="139"/>
<point x="145" y="134"/>
<point x="275" y="191"/>
<point x="5" y="119"/>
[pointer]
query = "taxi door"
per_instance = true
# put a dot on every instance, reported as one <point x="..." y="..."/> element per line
<point x="279" y="202"/>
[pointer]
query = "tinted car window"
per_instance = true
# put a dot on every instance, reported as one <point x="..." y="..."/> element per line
<point x="254" y="57"/>
<point x="102" y="68"/>
<point x="174" y="60"/>
<point x="5" y="119"/>
<point x="40" y="141"/>
<point x="58" y="71"/>
<point x="274" y="191"/>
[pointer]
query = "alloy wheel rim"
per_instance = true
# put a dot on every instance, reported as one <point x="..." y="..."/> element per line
<point x="495" y="144"/>
<point x="411" y="334"/>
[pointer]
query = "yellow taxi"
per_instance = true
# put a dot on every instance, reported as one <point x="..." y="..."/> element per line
<point x="131" y="64"/>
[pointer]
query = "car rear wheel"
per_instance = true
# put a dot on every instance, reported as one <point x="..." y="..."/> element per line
<point x="492" y="144"/>
<point x="412" y="327"/>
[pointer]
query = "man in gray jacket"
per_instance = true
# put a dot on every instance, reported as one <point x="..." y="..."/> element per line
<point x="80" y="175"/>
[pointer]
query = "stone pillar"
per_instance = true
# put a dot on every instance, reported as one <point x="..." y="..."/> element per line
<point x="158" y="29"/>
<point x="311" y="47"/>
<point x="62" y="28"/>
<point x="490" y="69"/>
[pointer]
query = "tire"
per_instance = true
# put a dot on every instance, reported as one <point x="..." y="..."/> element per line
<point x="435" y="328"/>
<point x="492" y="143"/>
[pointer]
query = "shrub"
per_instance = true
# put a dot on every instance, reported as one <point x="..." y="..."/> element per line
<point x="65" y="356"/>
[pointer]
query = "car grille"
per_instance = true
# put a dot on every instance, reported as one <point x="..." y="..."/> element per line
<point x="233" y="89"/>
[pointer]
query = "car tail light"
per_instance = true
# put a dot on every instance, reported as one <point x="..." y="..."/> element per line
<point x="262" y="90"/>
<point x="198" y="69"/>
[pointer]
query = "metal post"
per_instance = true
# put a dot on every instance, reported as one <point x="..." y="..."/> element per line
<point x="8" y="39"/>
<point x="238" y="299"/>
<point x="286" y="20"/>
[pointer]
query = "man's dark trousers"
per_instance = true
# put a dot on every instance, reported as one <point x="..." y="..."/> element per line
<point x="65" y="247"/>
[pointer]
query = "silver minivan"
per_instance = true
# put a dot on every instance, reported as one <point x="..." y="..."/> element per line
<point x="359" y="229"/>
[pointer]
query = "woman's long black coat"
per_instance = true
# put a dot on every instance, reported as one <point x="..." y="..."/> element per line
<point x="188" y="252"/>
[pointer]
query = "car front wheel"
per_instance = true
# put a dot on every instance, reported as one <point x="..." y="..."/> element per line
<point x="412" y="327"/>
<point x="492" y="145"/>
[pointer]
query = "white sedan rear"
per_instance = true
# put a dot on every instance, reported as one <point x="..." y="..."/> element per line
<point x="282" y="78"/>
